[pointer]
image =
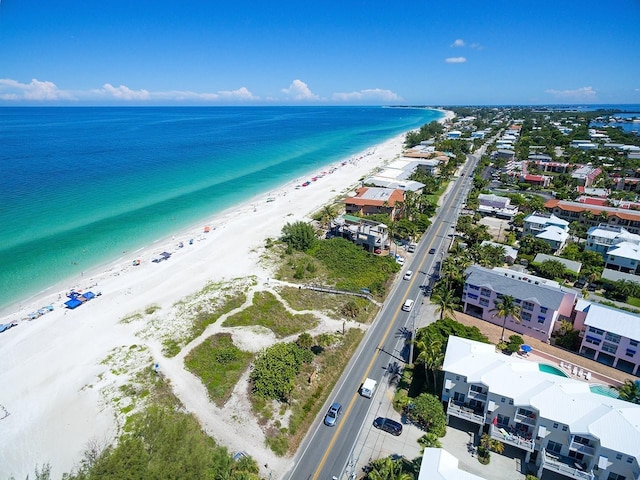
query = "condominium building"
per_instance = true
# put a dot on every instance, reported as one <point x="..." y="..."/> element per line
<point x="557" y="423"/>
<point x="609" y="335"/>
<point x="542" y="302"/>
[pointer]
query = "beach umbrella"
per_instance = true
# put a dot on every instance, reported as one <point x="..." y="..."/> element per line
<point x="526" y="348"/>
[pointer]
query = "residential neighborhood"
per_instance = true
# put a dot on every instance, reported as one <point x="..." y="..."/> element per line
<point x="547" y="249"/>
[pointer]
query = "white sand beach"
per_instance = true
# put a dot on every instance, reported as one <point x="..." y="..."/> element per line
<point x="57" y="390"/>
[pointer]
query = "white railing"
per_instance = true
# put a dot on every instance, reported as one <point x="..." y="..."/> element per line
<point x="464" y="412"/>
<point x="525" y="419"/>
<point x="582" y="448"/>
<point x="477" y="395"/>
<point x="556" y="465"/>
<point x="512" y="439"/>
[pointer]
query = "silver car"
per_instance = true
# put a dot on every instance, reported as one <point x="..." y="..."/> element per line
<point x="331" y="417"/>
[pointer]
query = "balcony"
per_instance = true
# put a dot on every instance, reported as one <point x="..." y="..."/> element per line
<point x="526" y="419"/>
<point x="582" y="448"/>
<point x="465" y="412"/>
<point x="564" y="466"/>
<point x="482" y="397"/>
<point x="511" y="438"/>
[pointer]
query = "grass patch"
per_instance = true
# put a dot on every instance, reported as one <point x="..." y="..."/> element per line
<point x="633" y="301"/>
<point x="268" y="312"/>
<point x="219" y="364"/>
<point x="338" y="263"/>
<point x="131" y="318"/>
<point x="203" y="309"/>
<point x="151" y="309"/>
<point x="330" y="304"/>
<point x="333" y="353"/>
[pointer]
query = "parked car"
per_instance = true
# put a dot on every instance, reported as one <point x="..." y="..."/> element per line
<point x="592" y="287"/>
<point x="388" y="425"/>
<point x="580" y="283"/>
<point x="400" y="260"/>
<point x="408" y="275"/>
<point x="331" y="417"/>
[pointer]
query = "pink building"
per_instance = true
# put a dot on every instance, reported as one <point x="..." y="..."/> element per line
<point x="542" y="302"/>
<point x="609" y="336"/>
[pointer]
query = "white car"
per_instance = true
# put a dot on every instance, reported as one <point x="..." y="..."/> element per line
<point x="408" y="275"/>
<point x="400" y="260"/>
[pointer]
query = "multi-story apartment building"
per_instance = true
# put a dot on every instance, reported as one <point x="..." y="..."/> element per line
<point x="542" y="302"/>
<point x="547" y="227"/>
<point x="619" y="247"/>
<point x="556" y="422"/>
<point x="609" y="335"/>
<point x="591" y="215"/>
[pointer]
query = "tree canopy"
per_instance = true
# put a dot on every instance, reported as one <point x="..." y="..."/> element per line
<point x="299" y="235"/>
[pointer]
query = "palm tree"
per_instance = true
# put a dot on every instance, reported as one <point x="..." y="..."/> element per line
<point x="431" y="356"/>
<point x="328" y="214"/>
<point x="504" y="308"/>
<point x="429" y="440"/>
<point x="629" y="391"/>
<point x="388" y="469"/>
<point x="446" y="302"/>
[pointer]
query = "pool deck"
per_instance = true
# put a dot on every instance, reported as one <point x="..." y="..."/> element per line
<point x="596" y="378"/>
<point x="544" y="353"/>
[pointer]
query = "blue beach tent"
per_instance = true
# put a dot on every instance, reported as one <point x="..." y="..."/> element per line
<point x="73" y="303"/>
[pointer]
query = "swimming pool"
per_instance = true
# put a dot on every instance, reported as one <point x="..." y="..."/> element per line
<point x="604" y="390"/>
<point x="543" y="367"/>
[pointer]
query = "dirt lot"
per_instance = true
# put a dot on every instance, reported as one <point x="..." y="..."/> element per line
<point x="493" y="333"/>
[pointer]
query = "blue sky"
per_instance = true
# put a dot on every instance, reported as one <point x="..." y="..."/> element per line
<point x="325" y="52"/>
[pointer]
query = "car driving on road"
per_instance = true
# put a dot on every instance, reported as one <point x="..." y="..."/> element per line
<point x="331" y="417"/>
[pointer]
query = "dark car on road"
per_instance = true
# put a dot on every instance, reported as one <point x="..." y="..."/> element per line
<point x="331" y="417"/>
<point x="432" y="251"/>
<point x="388" y="425"/>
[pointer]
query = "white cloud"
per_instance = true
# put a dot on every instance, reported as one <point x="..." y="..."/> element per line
<point x="123" y="92"/>
<point x="368" y="95"/>
<point x="300" y="91"/>
<point x="241" y="94"/>
<point x="458" y="43"/>
<point x="476" y="46"/>
<point x="582" y="93"/>
<point x="455" y="60"/>
<point x="34" y="91"/>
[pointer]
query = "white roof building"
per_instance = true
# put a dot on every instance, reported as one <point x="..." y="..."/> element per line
<point x="575" y="431"/>
<point x="438" y="464"/>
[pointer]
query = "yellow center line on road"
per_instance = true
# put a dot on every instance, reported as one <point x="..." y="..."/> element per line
<point x="366" y="375"/>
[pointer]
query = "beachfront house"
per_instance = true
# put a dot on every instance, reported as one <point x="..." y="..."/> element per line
<point x="543" y="302"/>
<point x="366" y="233"/>
<point x="609" y="335"/>
<point x="556" y="423"/>
<point x="375" y="200"/>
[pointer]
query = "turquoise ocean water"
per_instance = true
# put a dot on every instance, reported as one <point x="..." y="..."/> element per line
<point x="80" y="186"/>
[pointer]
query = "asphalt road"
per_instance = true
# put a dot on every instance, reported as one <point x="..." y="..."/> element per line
<point x="326" y="451"/>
